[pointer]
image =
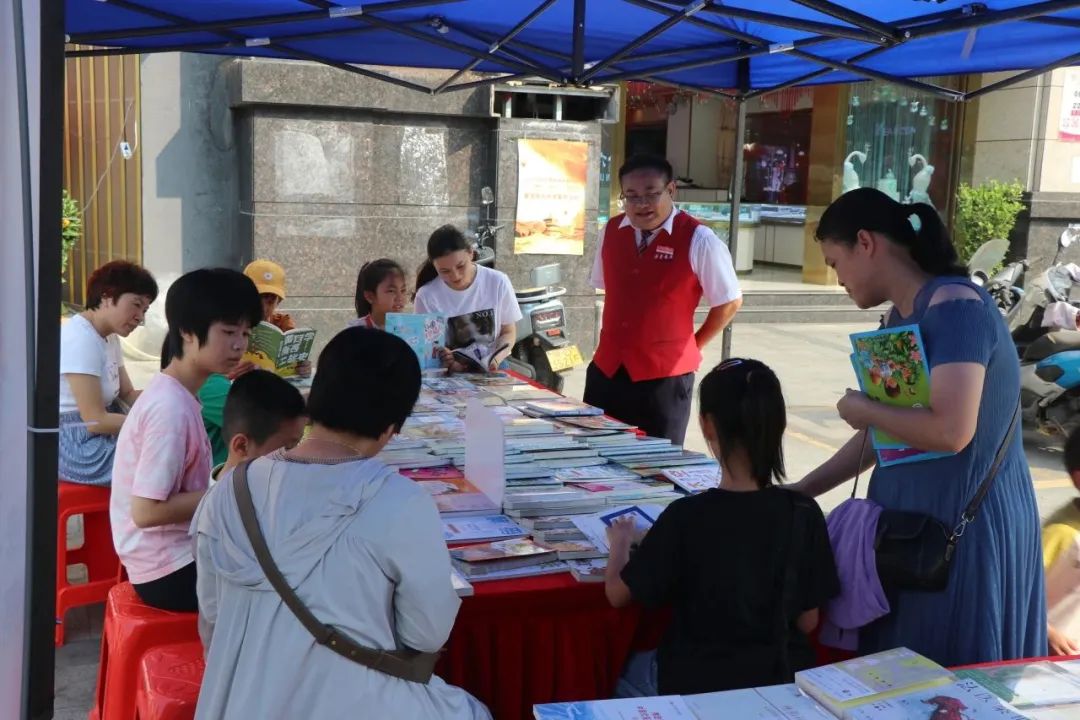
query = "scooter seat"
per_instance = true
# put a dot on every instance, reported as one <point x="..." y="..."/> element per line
<point x="1052" y="344"/>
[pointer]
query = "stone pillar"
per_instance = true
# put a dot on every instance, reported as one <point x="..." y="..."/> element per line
<point x="580" y="299"/>
<point x="826" y="160"/>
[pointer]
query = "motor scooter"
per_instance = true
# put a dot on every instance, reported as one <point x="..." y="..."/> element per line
<point x="1049" y="359"/>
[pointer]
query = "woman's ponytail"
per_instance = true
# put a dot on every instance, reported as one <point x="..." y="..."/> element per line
<point x="744" y="400"/>
<point x="917" y="227"/>
<point x="424" y="275"/>
<point x="931" y="247"/>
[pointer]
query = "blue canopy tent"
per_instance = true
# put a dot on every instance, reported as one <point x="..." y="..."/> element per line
<point x="737" y="49"/>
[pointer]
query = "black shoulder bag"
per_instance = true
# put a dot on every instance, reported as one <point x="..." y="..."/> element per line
<point x="914" y="550"/>
<point x="411" y="665"/>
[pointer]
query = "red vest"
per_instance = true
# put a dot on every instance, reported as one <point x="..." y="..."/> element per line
<point x="649" y="303"/>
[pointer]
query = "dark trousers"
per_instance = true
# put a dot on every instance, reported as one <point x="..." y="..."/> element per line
<point x="175" y="591"/>
<point x="661" y="407"/>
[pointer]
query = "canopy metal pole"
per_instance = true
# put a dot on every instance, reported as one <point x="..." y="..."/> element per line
<point x="736" y="192"/>
<point x="1064" y="62"/>
<point x="857" y="19"/>
<point x="577" y="67"/>
<point x="993" y="17"/>
<point x="820" y="28"/>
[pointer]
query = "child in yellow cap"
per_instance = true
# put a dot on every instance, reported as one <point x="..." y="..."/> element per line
<point x="269" y="279"/>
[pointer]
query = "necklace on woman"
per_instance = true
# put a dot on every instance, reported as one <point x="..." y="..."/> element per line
<point x="352" y="450"/>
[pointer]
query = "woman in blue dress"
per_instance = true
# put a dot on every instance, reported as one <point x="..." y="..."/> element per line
<point x="994" y="607"/>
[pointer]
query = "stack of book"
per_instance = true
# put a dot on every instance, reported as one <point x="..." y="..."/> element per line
<point x="506" y="559"/>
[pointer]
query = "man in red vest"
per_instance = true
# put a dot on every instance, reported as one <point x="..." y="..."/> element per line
<point x="655" y="263"/>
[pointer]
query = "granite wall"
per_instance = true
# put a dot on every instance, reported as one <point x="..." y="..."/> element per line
<point x="336" y="169"/>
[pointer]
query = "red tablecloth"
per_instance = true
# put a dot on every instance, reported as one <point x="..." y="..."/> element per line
<point x="542" y="639"/>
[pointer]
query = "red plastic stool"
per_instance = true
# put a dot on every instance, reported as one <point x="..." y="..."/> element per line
<point x="169" y="681"/>
<point x="97" y="552"/>
<point x="132" y="628"/>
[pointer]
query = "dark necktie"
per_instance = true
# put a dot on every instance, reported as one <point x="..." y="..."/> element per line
<point x="643" y="241"/>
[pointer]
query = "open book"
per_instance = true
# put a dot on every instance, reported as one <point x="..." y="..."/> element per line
<point x="277" y="351"/>
<point x="473" y="338"/>
<point x="477" y="357"/>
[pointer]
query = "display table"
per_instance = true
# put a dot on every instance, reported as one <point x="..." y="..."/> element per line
<point x="543" y="639"/>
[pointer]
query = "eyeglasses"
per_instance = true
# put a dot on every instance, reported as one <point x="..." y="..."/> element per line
<point x="646" y="199"/>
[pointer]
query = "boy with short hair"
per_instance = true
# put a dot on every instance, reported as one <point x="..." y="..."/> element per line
<point x="1061" y="559"/>
<point x="263" y="413"/>
<point x="163" y="457"/>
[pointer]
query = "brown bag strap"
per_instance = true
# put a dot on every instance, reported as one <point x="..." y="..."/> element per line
<point x="405" y="664"/>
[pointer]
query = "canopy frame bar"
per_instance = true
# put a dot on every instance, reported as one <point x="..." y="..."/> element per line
<point x="985" y="18"/>
<point x="99" y="38"/>
<point x="792" y="23"/>
<point x="886" y="32"/>
<point x="654" y="32"/>
<point x="497" y="44"/>
<point x="1026" y="75"/>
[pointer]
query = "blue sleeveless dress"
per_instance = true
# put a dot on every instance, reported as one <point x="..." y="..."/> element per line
<point x="995" y="605"/>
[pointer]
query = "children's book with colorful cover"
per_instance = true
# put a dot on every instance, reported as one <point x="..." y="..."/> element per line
<point x="281" y="352"/>
<point x="775" y="702"/>
<point x="479" y="560"/>
<point x="844" y="686"/>
<point x="891" y="368"/>
<point x="671" y="707"/>
<point x="425" y="334"/>
<point x="560" y="407"/>
<point x="694" y="479"/>
<point x="1028" y="685"/>
<point x="588" y="571"/>
<point x="483" y="528"/>
<point x="959" y="700"/>
<point x="457" y="496"/>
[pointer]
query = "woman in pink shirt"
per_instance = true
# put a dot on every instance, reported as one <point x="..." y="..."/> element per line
<point x="163" y="456"/>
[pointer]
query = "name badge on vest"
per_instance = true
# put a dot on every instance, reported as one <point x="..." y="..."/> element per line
<point x="664" y="252"/>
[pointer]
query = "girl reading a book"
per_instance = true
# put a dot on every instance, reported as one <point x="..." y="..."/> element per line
<point x="994" y="606"/>
<point x="472" y="297"/>
<point x="93" y="380"/>
<point x="380" y="289"/>
<point x="744" y="566"/>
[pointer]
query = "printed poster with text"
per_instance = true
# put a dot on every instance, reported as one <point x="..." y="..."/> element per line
<point x="1069" y="122"/>
<point x="551" y="197"/>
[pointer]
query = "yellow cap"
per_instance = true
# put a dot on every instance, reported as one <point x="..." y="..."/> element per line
<point x="269" y="277"/>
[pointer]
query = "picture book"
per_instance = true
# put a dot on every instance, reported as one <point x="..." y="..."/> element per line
<point x="588" y="571"/>
<point x="891" y="368"/>
<point x="1029" y="684"/>
<point x="596" y="472"/>
<point x="671" y="707"/>
<point x="575" y="550"/>
<point x="474" y="328"/>
<point x="963" y="699"/>
<point x="558" y="535"/>
<point x="457" y="496"/>
<point x="594" y="526"/>
<point x="560" y="407"/>
<point x="425" y="334"/>
<point x="694" y="479"/>
<point x="281" y="352"/>
<point x="484" y="528"/>
<point x="553" y="567"/>
<point x="595" y="422"/>
<point x="478" y="560"/>
<point x="776" y="702"/>
<point x="477" y="357"/>
<point x="853" y="683"/>
<point x="434" y="473"/>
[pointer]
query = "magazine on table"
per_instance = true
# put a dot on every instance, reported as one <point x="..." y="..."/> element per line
<point x="281" y="352"/>
<point x="891" y="367"/>
<point x="424" y="332"/>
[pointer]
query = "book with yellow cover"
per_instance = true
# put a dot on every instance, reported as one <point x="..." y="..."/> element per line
<point x="845" y="686"/>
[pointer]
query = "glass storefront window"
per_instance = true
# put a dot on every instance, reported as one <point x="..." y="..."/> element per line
<point x="900" y="141"/>
<point x="776" y="150"/>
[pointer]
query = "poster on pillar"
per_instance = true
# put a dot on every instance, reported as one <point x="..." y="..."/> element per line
<point x="1069" y="123"/>
<point x="551" y="197"/>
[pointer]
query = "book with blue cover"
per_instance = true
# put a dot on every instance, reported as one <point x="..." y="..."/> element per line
<point x="891" y="367"/>
<point x="425" y="334"/>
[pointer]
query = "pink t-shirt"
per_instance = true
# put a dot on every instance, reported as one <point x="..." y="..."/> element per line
<point x="162" y="450"/>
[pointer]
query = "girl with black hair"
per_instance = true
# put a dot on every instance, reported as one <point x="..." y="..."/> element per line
<point x="380" y="289"/>
<point x="994" y="607"/>
<point x="479" y="303"/>
<point x="745" y="566"/>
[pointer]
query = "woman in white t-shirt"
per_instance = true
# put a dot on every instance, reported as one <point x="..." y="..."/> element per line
<point x="92" y="374"/>
<point x="478" y="302"/>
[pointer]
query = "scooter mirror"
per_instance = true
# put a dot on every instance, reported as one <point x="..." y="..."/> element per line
<point x="486" y="196"/>
<point x="1069" y="236"/>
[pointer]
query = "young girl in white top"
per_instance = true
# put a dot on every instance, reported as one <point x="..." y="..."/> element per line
<point x="92" y="374"/>
<point x="478" y="302"/>
<point x="380" y="289"/>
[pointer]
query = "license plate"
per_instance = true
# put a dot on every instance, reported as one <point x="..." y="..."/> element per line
<point x="564" y="358"/>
